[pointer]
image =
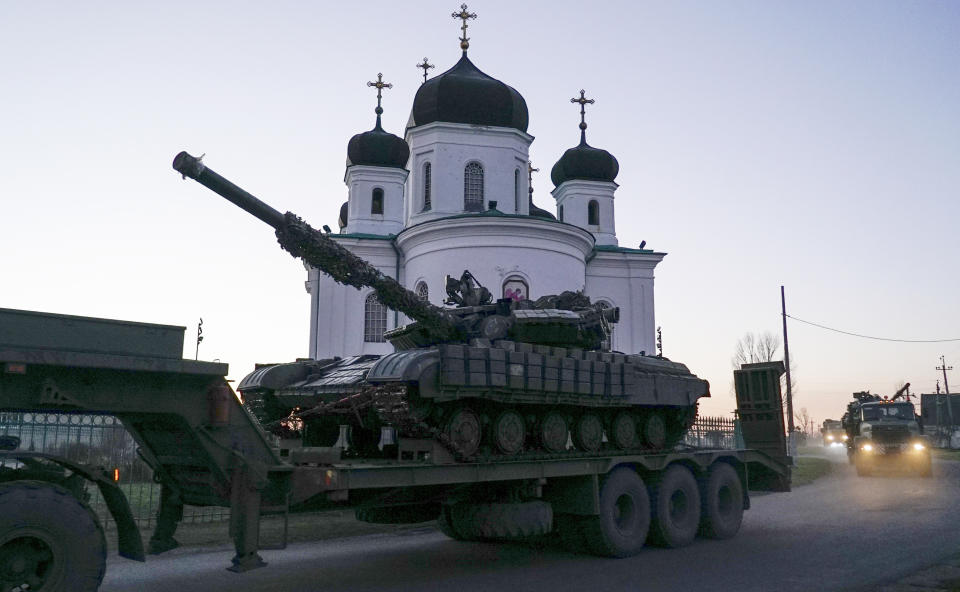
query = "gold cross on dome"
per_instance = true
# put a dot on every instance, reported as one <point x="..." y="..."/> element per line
<point x="379" y="85"/>
<point x="530" y="172"/>
<point x="583" y="100"/>
<point x="426" y="66"/>
<point x="464" y="16"/>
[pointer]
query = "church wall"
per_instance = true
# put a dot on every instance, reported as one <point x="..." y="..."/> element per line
<point x="449" y="147"/>
<point x="575" y="197"/>
<point x="626" y="280"/>
<point x="361" y="181"/>
<point x="337" y="311"/>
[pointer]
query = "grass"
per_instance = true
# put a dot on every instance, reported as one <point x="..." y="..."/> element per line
<point x="809" y="469"/>
<point x="945" y="454"/>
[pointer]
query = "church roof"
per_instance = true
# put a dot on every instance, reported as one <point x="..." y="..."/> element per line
<point x="585" y="162"/>
<point x="377" y="147"/>
<point x="464" y="94"/>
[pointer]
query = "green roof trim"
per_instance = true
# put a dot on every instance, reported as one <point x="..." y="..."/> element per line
<point x="363" y="235"/>
<point x="616" y="249"/>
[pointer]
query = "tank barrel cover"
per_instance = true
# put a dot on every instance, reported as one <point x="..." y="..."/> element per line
<point x="320" y="251"/>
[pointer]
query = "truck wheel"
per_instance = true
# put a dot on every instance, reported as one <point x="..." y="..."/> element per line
<point x="721" y="510"/>
<point x="624" y="521"/>
<point x="49" y="540"/>
<point x="508" y="522"/>
<point x="445" y="524"/>
<point x="676" y="508"/>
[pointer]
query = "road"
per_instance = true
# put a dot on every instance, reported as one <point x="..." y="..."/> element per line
<point x="842" y="532"/>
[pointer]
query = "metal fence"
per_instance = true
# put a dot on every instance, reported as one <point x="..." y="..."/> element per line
<point x="100" y="441"/>
<point x="713" y="432"/>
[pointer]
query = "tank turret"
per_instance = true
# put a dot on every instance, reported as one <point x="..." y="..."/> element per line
<point x="481" y="378"/>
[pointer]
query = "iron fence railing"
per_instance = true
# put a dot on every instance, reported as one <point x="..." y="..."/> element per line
<point x="99" y="441"/>
<point x="712" y="432"/>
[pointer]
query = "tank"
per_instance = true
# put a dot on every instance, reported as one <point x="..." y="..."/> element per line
<point x="483" y="378"/>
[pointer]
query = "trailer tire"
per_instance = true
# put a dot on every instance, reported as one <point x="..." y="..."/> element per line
<point x="445" y="524"/>
<point x="675" y="502"/>
<point x="49" y="539"/>
<point x="624" y="521"/>
<point x="721" y="510"/>
<point x="506" y="522"/>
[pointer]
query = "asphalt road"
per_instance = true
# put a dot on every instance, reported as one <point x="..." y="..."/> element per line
<point x="842" y="532"/>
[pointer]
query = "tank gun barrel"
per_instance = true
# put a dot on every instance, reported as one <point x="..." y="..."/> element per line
<point x="320" y="251"/>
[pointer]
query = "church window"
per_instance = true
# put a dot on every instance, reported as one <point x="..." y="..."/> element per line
<point x="593" y="213"/>
<point x="516" y="191"/>
<point x="515" y="288"/>
<point x="374" y="320"/>
<point x="423" y="292"/>
<point x="427" y="182"/>
<point x="376" y="206"/>
<point x="473" y="187"/>
<point x="561" y="213"/>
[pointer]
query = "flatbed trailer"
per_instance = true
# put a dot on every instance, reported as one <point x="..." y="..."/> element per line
<point x="206" y="449"/>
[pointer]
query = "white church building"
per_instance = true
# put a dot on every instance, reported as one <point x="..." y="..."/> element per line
<point x="454" y="194"/>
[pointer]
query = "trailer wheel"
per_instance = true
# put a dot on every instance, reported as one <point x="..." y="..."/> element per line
<point x="675" y="499"/>
<point x="507" y="522"/>
<point x="721" y="511"/>
<point x="445" y="524"/>
<point x="49" y="540"/>
<point x="624" y="521"/>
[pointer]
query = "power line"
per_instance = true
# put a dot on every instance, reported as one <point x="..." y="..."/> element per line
<point x="872" y="337"/>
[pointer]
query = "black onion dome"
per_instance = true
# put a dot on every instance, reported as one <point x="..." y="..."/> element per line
<point x="344" y="214"/>
<point x="585" y="162"/>
<point x="378" y="148"/>
<point x="540" y="213"/>
<point x="464" y="94"/>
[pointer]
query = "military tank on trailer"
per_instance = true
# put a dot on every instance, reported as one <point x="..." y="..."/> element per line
<point x="483" y="378"/>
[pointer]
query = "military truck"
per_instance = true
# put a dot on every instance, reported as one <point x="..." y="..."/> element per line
<point x="206" y="449"/>
<point x="884" y="433"/>
<point x="833" y="434"/>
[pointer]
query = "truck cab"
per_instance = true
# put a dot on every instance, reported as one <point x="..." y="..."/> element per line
<point x="834" y="436"/>
<point x="887" y="433"/>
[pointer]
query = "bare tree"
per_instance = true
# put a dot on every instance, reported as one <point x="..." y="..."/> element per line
<point x="754" y="348"/>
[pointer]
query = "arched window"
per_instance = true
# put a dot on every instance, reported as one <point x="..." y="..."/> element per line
<point x="427" y="186"/>
<point x="473" y="187"/>
<point x="516" y="191"/>
<point x="593" y="213"/>
<point x="376" y="204"/>
<point x="423" y="292"/>
<point x="374" y="320"/>
<point x="561" y="213"/>
<point x="516" y="288"/>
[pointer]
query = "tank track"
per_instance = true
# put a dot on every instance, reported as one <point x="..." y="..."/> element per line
<point x="455" y="425"/>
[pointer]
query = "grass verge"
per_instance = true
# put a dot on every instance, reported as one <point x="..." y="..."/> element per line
<point x="945" y="454"/>
<point x="809" y="469"/>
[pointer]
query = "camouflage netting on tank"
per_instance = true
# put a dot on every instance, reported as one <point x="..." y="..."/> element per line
<point x="322" y="252"/>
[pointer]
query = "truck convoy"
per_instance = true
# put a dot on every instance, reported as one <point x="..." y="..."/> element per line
<point x="833" y="434"/>
<point x="500" y="420"/>
<point x="883" y="432"/>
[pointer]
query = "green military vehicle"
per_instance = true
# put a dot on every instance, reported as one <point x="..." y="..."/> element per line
<point x="884" y="433"/>
<point x="619" y="480"/>
<point x="833" y="434"/>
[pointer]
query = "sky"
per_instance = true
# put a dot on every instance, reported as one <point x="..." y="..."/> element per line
<point x="814" y="145"/>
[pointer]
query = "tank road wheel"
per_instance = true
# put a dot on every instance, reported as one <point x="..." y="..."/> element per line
<point x="49" y="540"/>
<point x="655" y="431"/>
<point x="721" y="510"/>
<point x="588" y="434"/>
<point x="623" y="431"/>
<point x="624" y="521"/>
<point x="508" y="432"/>
<point x="676" y="508"/>
<point x="553" y="432"/>
<point x="463" y="429"/>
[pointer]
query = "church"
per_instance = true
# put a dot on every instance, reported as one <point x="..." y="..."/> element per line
<point x="454" y="194"/>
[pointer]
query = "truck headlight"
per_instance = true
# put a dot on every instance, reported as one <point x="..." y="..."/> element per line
<point x="918" y="446"/>
<point x="830" y="438"/>
<point x="867" y="447"/>
<point x="845" y="437"/>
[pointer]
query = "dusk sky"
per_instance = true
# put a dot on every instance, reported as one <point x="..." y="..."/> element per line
<point x="810" y="144"/>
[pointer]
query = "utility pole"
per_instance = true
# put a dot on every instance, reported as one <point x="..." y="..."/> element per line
<point x="946" y="387"/>
<point x="786" y="362"/>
